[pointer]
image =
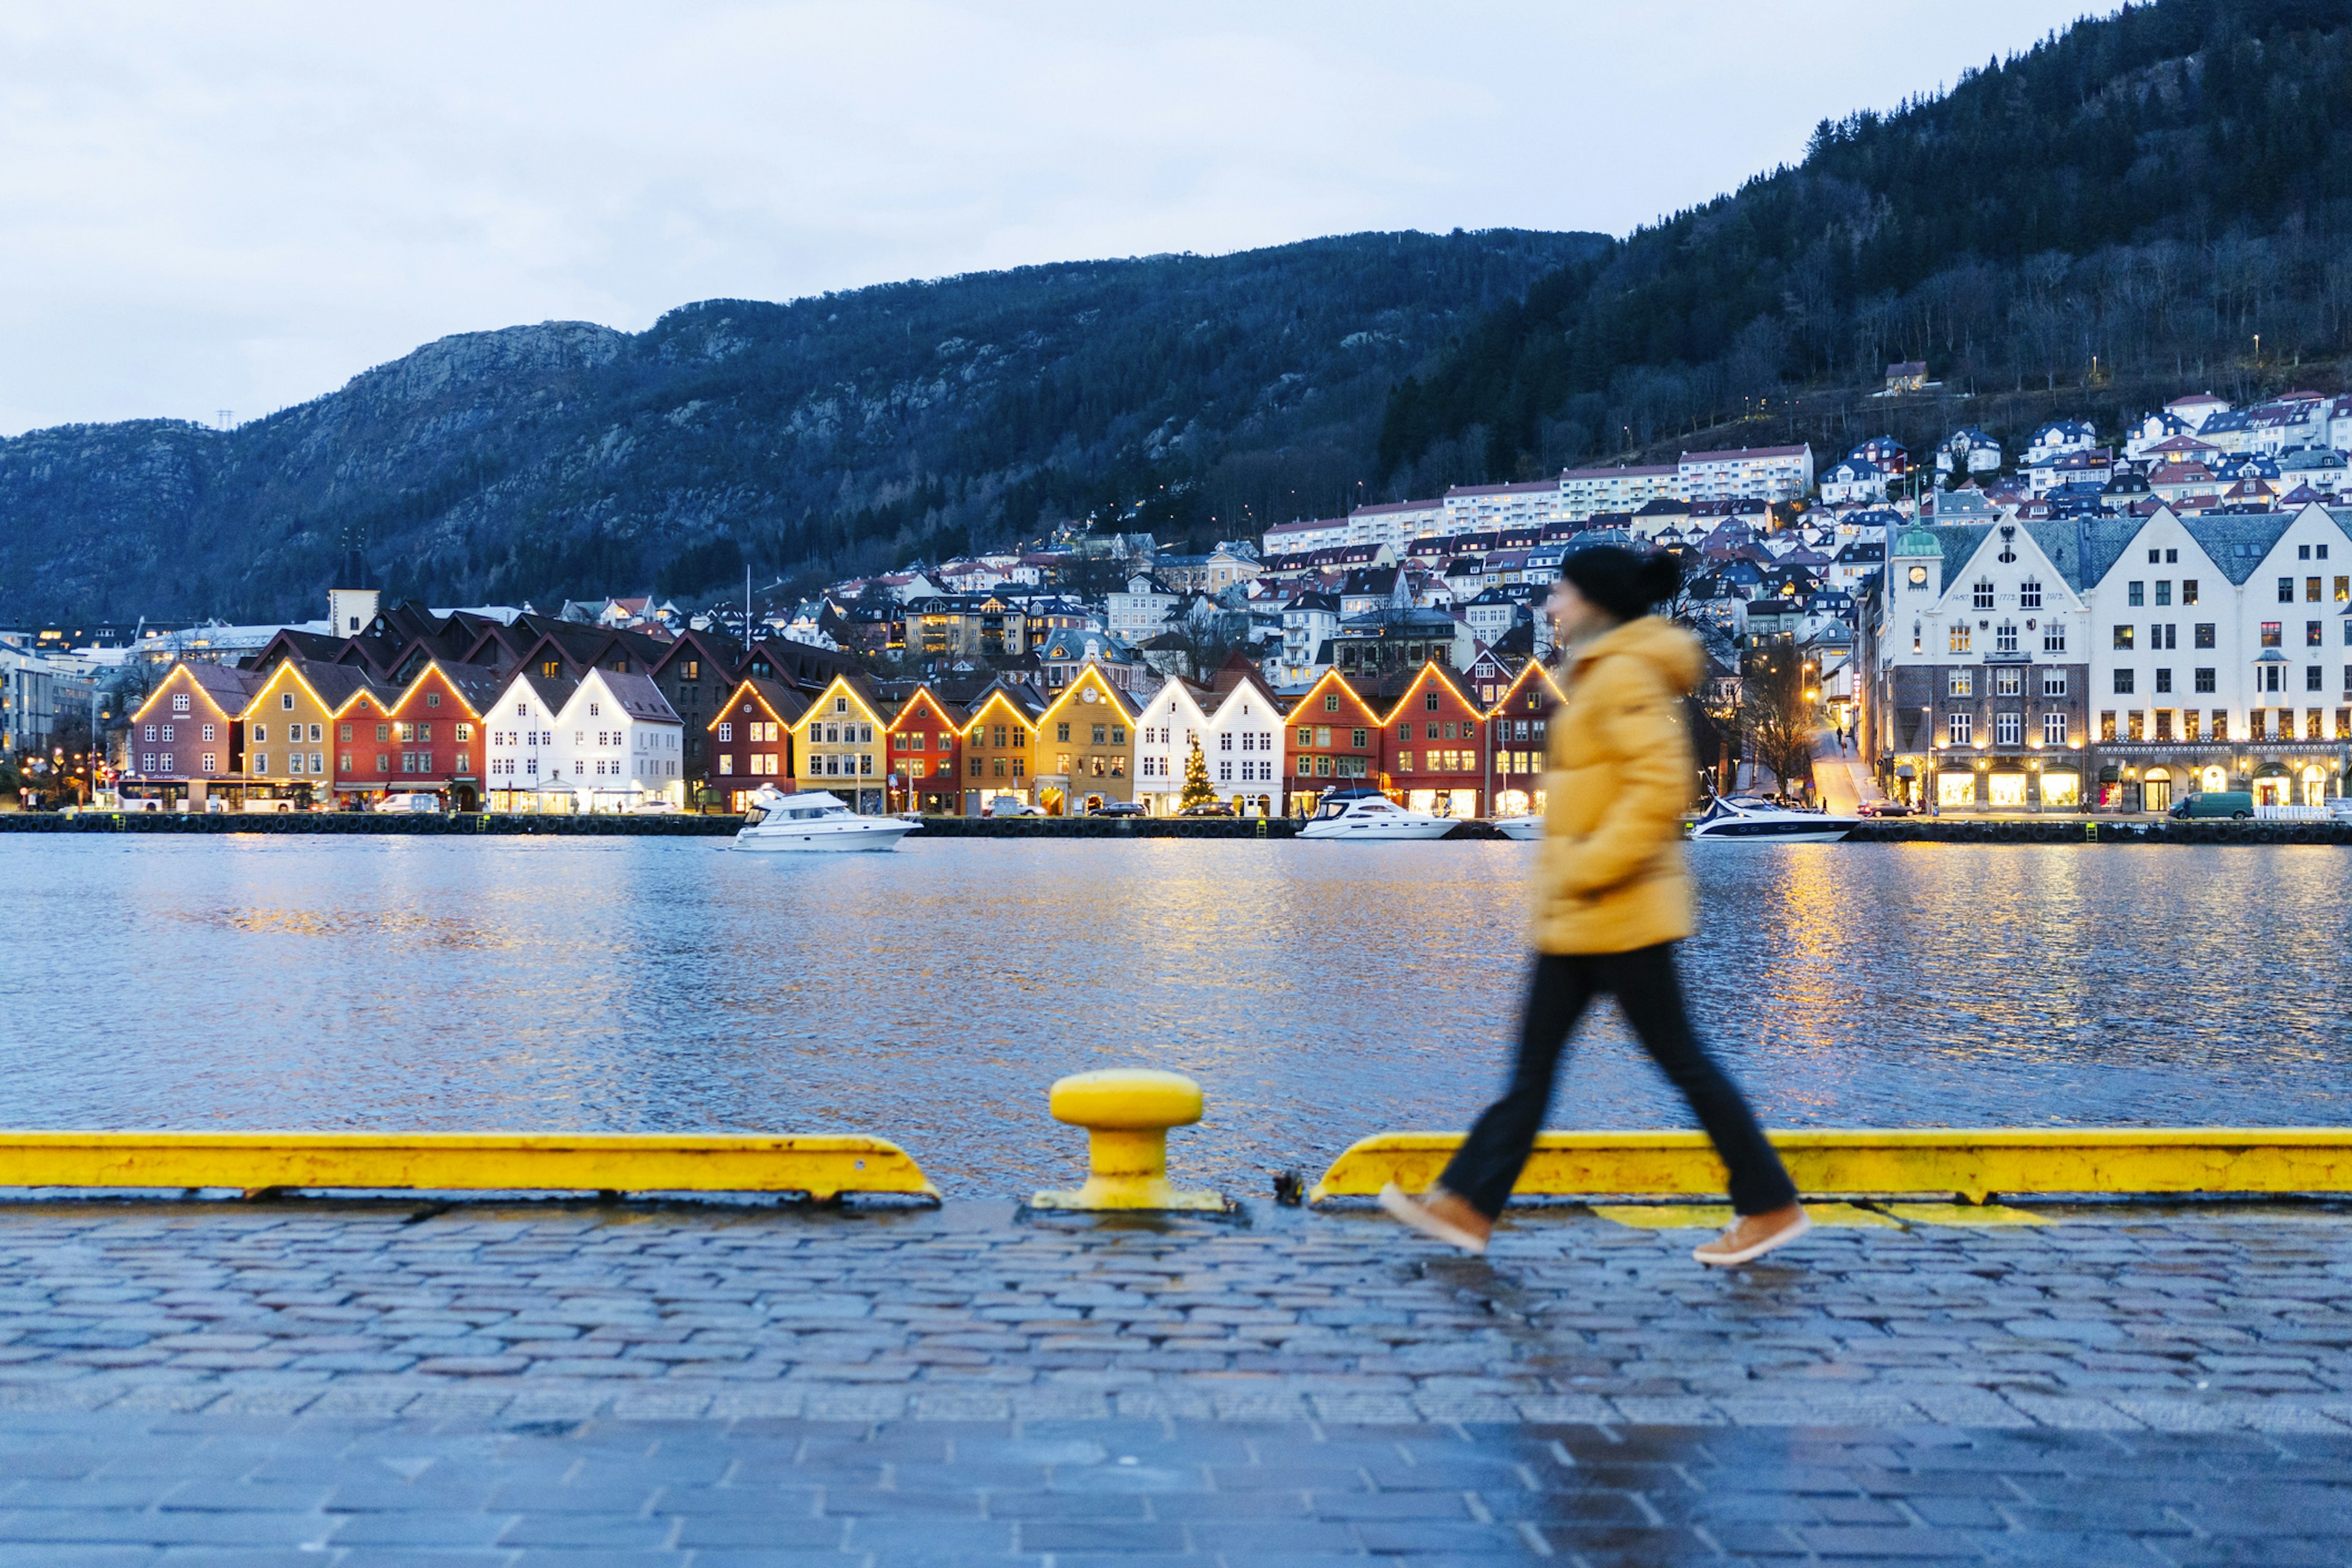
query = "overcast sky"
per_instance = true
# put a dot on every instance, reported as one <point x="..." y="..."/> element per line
<point x="234" y="206"/>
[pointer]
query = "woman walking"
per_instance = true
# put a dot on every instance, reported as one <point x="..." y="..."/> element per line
<point x="1612" y="898"/>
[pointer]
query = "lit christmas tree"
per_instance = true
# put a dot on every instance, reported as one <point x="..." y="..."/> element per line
<point x="1196" y="781"/>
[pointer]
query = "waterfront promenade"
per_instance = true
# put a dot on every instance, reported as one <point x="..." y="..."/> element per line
<point x="409" y="1384"/>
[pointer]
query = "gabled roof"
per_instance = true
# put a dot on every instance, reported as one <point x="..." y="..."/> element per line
<point x="1408" y="686"/>
<point x="331" y="685"/>
<point x="637" y="695"/>
<point x="477" y="689"/>
<point x="1090" y="668"/>
<point x="781" y="702"/>
<point x="924" y="696"/>
<point x="857" y="688"/>
<point x="1016" y="696"/>
<point x="1333" y="678"/>
<point x="225" y="689"/>
<point x="552" y="690"/>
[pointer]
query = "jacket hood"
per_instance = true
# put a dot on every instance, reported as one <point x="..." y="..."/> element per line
<point x="1667" y="646"/>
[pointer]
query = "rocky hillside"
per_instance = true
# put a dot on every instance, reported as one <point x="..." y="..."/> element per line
<point x="1191" y="395"/>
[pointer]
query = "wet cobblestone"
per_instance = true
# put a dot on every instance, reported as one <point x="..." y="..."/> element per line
<point x="363" y="1384"/>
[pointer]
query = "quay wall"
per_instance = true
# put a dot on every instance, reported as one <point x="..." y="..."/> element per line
<point x="1899" y="830"/>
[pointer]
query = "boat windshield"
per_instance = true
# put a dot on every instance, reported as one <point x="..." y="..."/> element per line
<point x="1331" y="808"/>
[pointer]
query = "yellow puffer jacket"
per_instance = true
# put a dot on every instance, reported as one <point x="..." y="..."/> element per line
<point x="1610" y="877"/>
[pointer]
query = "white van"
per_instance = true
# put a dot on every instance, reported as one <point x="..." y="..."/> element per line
<point x="410" y="800"/>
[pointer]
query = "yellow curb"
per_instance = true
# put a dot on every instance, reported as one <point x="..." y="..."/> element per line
<point x="1931" y="1163"/>
<point x="821" y="1167"/>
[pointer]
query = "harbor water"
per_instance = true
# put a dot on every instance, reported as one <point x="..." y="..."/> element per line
<point x="1318" y="991"/>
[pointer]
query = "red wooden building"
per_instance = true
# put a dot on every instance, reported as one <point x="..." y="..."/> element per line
<point x="1515" y="729"/>
<point x="428" y="739"/>
<point x="184" y="739"/>
<point x="925" y="771"/>
<point x="1332" y="738"/>
<point x="1436" y="746"/>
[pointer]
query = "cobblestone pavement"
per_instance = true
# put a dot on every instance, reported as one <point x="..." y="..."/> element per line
<point x="2126" y="1386"/>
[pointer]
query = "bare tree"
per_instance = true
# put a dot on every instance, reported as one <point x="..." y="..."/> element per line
<point x="1779" y="713"/>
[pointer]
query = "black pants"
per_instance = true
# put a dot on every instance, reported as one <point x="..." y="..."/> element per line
<point x="1643" y="982"/>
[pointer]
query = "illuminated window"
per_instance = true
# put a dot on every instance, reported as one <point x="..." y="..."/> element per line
<point x="2053" y="728"/>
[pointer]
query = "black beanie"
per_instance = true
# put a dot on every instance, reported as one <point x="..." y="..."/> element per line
<point x="1624" y="583"/>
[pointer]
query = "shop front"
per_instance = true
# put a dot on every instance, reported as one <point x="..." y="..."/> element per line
<point x="1956" y="789"/>
<point x="2062" y="790"/>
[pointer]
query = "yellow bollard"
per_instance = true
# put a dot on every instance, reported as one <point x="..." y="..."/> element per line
<point x="1126" y="1112"/>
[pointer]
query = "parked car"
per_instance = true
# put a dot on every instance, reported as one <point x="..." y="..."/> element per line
<point x="1881" y="809"/>
<point x="1119" y="808"/>
<point x="1007" y="806"/>
<point x="409" y="800"/>
<point x="1211" y="808"/>
<point x="651" y="808"/>
<point x="2234" y="803"/>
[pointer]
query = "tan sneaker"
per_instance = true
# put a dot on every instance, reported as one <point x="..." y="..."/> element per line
<point x="1440" y="1215"/>
<point x="1753" y="1235"/>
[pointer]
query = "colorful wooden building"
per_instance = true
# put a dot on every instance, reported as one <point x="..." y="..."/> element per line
<point x="1516" y="728"/>
<point x="291" y="729"/>
<point x="1334" y="740"/>
<point x="184" y="742"/>
<point x="1085" y="745"/>
<point x="427" y="739"/>
<point x="751" y="740"/>
<point x="841" y="744"/>
<point x="1437" y="744"/>
<point x="924" y="755"/>
<point x="999" y="745"/>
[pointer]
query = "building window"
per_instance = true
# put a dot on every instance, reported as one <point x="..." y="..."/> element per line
<point x="1962" y="727"/>
<point x="2134" y="725"/>
<point x="209" y="759"/>
<point x="2221" y="723"/>
<point x="2054" y="683"/>
<point x="1960" y="640"/>
<point x="2124" y="636"/>
<point x="2311" y="590"/>
<point x="2311" y="634"/>
<point x="2271" y="633"/>
<point x="1960" y="683"/>
<point x="2124" y="680"/>
<point x="2008" y="682"/>
<point x="2053" y="638"/>
<point x="1330" y="702"/>
<point x="2008" y="728"/>
<point x="2029" y="594"/>
<point x="2203" y="679"/>
<point x="2287" y="590"/>
<point x="2164" y="680"/>
<point x="2053" y="728"/>
<point x="2136" y="593"/>
<point x="1983" y="593"/>
<point x="179" y="705"/>
<point x="260" y="763"/>
<point x="2164" y="593"/>
<point x="2004" y="638"/>
<point x="2189" y="590"/>
<point x="2313" y="678"/>
<point x="2201" y="634"/>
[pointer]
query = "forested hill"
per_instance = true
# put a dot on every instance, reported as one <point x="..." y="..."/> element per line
<point x="833" y="434"/>
<point x="2125" y="207"/>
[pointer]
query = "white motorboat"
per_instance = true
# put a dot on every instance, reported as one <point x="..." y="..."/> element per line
<point x="1367" y="814"/>
<point x="1524" y="828"/>
<point x="817" y="823"/>
<point x="1747" y="820"/>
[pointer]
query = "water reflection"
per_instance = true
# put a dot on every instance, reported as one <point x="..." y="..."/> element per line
<point x="1320" y="990"/>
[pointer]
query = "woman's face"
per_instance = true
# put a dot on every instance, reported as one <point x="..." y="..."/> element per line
<point x="1574" y="617"/>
